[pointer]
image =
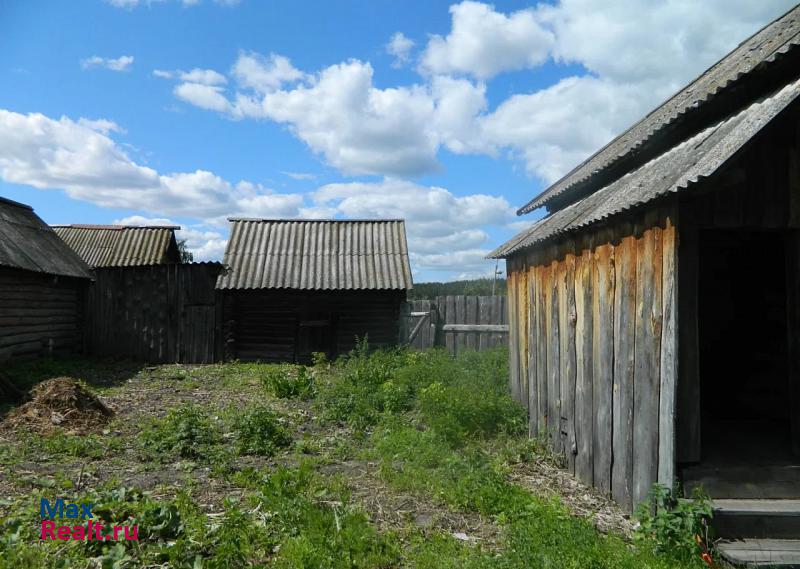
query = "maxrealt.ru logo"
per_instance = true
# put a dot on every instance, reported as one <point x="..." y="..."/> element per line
<point x="92" y="530"/>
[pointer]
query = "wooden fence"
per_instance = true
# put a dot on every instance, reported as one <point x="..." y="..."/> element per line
<point x="159" y="313"/>
<point x="455" y="322"/>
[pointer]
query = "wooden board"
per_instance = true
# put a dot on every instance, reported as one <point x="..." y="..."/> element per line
<point x="584" y="420"/>
<point x="567" y="322"/>
<point x="541" y="343"/>
<point x="647" y="362"/>
<point x="603" y="279"/>
<point x="624" y="338"/>
<point x="553" y="359"/>
<point x="533" y="388"/>
<point x="669" y="359"/>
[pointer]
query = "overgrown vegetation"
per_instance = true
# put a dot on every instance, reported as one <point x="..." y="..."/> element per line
<point x="289" y="381"/>
<point x="675" y="525"/>
<point x="264" y="465"/>
<point x="187" y="431"/>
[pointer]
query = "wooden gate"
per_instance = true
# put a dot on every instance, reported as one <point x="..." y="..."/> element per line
<point x="456" y="322"/>
<point x="158" y="313"/>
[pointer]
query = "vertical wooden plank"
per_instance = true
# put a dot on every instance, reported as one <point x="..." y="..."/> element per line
<point x="669" y="353"/>
<point x="603" y="279"/>
<point x="461" y="318"/>
<point x="533" y="403"/>
<point x="567" y="321"/>
<point x="541" y="340"/>
<point x="647" y="360"/>
<point x="524" y="333"/>
<point x="513" y="334"/>
<point x="484" y="317"/>
<point x="553" y="362"/>
<point x="471" y="317"/>
<point x="688" y="401"/>
<point x="584" y="418"/>
<point x="450" y="312"/>
<point x="624" y="337"/>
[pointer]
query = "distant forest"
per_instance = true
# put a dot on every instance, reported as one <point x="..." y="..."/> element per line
<point x="476" y="287"/>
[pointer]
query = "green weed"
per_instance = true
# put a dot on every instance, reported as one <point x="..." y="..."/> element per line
<point x="289" y="381"/>
<point x="258" y="431"/>
<point x="187" y="431"/>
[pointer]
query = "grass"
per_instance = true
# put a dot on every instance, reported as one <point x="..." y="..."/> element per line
<point x="237" y="465"/>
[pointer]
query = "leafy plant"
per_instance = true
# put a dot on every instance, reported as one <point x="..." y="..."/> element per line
<point x="671" y="524"/>
<point x="186" y="430"/>
<point x="259" y="432"/>
<point x="289" y="381"/>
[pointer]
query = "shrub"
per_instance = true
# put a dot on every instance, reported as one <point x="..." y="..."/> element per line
<point x="672" y="525"/>
<point x="360" y="387"/>
<point x="186" y="430"/>
<point x="289" y="381"/>
<point x="260" y="432"/>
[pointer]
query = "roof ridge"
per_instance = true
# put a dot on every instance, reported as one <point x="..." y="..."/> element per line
<point x="307" y="220"/>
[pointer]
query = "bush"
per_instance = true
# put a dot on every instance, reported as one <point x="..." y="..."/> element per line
<point x="259" y="432"/>
<point x="673" y="525"/>
<point x="289" y="382"/>
<point x="361" y="387"/>
<point x="187" y="430"/>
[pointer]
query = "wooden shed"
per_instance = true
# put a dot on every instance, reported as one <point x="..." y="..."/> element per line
<point x="655" y="309"/>
<point x="42" y="287"/>
<point x="294" y="287"/>
<point x="122" y="245"/>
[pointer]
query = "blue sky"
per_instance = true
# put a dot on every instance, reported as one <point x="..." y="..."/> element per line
<point x="450" y="115"/>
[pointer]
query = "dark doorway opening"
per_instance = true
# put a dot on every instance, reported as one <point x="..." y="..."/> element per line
<point x="315" y="334"/>
<point x="744" y="375"/>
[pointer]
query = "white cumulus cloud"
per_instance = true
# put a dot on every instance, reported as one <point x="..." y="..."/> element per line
<point x="484" y="42"/>
<point x="400" y="47"/>
<point x="122" y="63"/>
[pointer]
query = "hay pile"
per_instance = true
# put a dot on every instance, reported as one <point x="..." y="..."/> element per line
<point x="61" y="402"/>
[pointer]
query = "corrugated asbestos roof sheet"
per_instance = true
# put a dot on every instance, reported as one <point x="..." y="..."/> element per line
<point x="674" y="171"/>
<point x="765" y="46"/>
<point x="118" y="245"/>
<point x="317" y="255"/>
<point x="26" y="242"/>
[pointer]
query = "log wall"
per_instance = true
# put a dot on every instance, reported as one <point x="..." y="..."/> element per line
<point x="277" y="326"/>
<point x="40" y="315"/>
<point x="592" y="348"/>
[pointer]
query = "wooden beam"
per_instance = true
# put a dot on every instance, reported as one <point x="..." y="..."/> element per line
<point x="495" y="328"/>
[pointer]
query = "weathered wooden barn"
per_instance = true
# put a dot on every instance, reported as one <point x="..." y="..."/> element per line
<point x="122" y="245"/>
<point x="294" y="287"/>
<point x="42" y="288"/>
<point x="655" y="309"/>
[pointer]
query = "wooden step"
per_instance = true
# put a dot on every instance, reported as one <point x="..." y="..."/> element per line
<point x="782" y="553"/>
<point x="776" y="519"/>
<point x="744" y="482"/>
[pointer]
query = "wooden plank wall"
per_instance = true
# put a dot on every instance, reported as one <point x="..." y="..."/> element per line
<point x="593" y="332"/>
<point x="40" y="315"/>
<point x="158" y="313"/>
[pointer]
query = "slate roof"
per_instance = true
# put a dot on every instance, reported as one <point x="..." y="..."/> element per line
<point x="26" y="242"/>
<point x="677" y="170"/>
<point x="121" y="245"/>
<point x="766" y="47"/>
<point x="317" y="255"/>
